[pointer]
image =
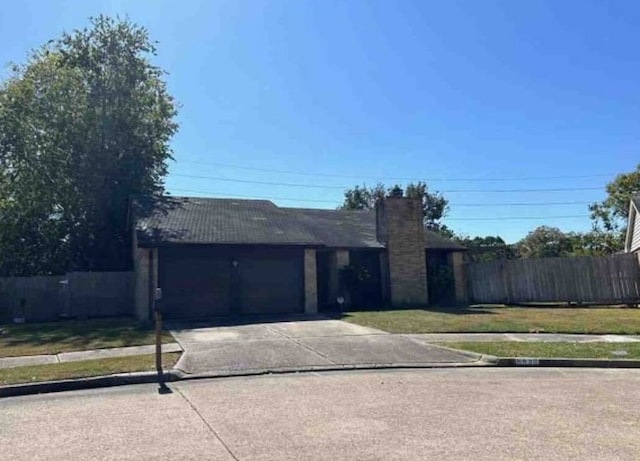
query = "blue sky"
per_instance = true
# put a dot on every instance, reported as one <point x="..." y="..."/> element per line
<point x="481" y="99"/>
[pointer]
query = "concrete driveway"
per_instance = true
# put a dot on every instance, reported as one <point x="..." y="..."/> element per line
<point x="300" y="343"/>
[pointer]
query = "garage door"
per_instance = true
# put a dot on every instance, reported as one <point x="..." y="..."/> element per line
<point x="270" y="284"/>
<point x="194" y="282"/>
<point x="206" y="281"/>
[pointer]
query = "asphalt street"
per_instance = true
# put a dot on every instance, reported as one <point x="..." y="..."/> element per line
<point x="466" y="413"/>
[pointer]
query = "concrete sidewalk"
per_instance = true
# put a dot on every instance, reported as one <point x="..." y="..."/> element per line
<point x="524" y="337"/>
<point x="79" y="356"/>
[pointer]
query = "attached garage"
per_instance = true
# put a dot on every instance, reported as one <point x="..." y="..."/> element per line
<point x="214" y="280"/>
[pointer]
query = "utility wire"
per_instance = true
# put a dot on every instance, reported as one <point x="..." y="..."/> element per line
<point x="520" y="204"/>
<point x="509" y="218"/>
<point x="360" y="177"/>
<point x="456" y="205"/>
<point x="317" y="186"/>
<point x="218" y="194"/>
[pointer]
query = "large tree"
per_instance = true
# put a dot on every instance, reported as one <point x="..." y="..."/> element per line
<point x="610" y="215"/>
<point x="84" y="124"/>
<point x="434" y="205"/>
<point x="489" y="248"/>
<point x="544" y="241"/>
<point x="593" y="243"/>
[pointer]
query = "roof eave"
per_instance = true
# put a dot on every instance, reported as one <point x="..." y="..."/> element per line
<point x="633" y="211"/>
<point x="147" y="243"/>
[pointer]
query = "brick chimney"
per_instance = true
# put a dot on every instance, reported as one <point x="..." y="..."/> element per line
<point x="399" y="226"/>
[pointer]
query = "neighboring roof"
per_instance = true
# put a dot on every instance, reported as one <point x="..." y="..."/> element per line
<point x="632" y="240"/>
<point x="234" y="221"/>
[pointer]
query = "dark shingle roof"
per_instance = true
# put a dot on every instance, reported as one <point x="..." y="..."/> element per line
<point x="636" y="201"/>
<point x="229" y="221"/>
<point x="340" y="228"/>
<point x="435" y="241"/>
<point x="233" y="221"/>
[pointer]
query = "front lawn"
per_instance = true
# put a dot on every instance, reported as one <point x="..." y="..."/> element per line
<point x="502" y="320"/>
<point x="551" y="350"/>
<point x="77" y="335"/>
<point x="85" y="369"/>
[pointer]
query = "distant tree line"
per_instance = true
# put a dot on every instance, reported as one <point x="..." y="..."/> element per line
<point x="607" y="234"/>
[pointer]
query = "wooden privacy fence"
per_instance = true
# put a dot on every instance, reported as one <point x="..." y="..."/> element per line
<point x="76" y="295"/>
<point x="599" y="279"/>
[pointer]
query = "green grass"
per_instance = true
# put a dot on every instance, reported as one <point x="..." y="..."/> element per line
<point x="502" y="320"/>
<point x="77" y="335"/>
<point x="85" y="369"/>
<point x="550" y="350"/>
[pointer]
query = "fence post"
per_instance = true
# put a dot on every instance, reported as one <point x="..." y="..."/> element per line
<point x="505" y="283"/>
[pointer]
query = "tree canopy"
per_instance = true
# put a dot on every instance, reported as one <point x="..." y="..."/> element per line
<point x="434" y="205"/>
<point x="485" y="249"/>
<point x="609" y="219"/>
<point x="610" y="215"/>
<point x="543" y="242"/>
<point x="84" y="124"/>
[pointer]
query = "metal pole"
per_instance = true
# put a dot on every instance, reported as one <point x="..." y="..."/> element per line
<point x="158" y="316"/>
<point x="157" y="309"/>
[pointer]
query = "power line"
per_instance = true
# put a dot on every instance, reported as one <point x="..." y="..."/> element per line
<point x="509" y="218"/>
<point x="334" y="202"/>
<point x="520" y="204"/>
<point x="317" y="186"/>
<point x="360" y="177"/>
<point x="492" y="218"/>
<point x="253" y="196"/>
<point x="265" y="183"/>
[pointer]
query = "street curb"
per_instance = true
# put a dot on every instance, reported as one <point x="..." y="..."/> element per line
<point x="174" y="375"/>
<point x="533" y="362"/>
<point x="331" y="368"/>
<point x="476" y="355"/>
<point x="94" y="382"/>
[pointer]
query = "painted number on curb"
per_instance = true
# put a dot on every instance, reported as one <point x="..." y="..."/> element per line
<point x="527" y="362"/>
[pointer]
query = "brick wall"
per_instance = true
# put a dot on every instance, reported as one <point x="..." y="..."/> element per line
<point x="141" y="284"/>
<point x="399" y="225"/>
<point x="459" y="276"/>
<point x="338" y="260"/>
<point x="310" y="282"/>
<point x="145" y="267"/>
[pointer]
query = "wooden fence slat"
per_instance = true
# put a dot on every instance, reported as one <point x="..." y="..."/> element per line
<point x="87" y="294"/>
<point x="603" y="279"/>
